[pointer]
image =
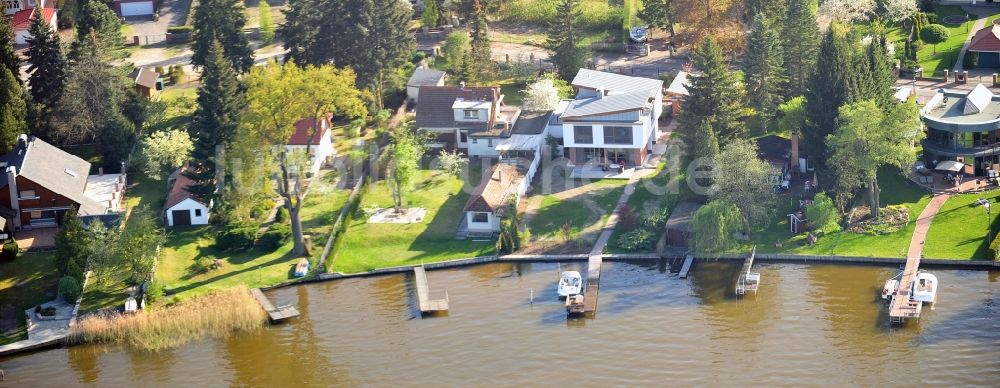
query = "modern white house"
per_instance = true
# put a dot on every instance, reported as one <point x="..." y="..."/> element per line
<point x="503" y="185"/>
<point x="613" y="121"/>
<point x="22" y="12"/>
<point x="184" y="207"/>
<point x="319" y="145"/>
<point x="423" y="77"/>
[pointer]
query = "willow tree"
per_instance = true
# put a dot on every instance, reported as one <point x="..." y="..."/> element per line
<point x="280" y="95"/>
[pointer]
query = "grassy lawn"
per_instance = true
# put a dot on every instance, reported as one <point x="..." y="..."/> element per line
<point x="946" y="53"/>
<point x="254" y="267"/>
<point x="896" y="190"/>
<point x="556" y="210"/>
<point x="368" y="246"/>
<point x="27" y="281"/>
<point x="959" y="229"/>
<point x="649" y="198"/>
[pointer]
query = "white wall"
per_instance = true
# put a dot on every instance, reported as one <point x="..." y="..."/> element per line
<point x="483" y="147"/>
<point x="483" y="115"/>
<point x="640" y="136"/>
<point x="189" y="205"/>
<point x="493" y="225"/>
<point x="318" y="153"/>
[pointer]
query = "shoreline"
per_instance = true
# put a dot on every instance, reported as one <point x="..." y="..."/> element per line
<point x="981" y="265"/>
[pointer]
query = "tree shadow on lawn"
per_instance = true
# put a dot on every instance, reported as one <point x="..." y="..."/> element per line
<point x="438" y="239"/>
<point x="230" y="274"/>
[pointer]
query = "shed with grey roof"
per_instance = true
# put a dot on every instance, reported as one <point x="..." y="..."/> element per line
<point x="423" y="77"/>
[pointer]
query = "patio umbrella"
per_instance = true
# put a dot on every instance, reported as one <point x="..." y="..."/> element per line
<point x="949" y="165"/>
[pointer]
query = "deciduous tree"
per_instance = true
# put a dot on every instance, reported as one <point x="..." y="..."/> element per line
<point x="407" y="148"/>
<point x="658" y="14"/>
<point x="541" y="95"/>
<point x="934" y="34"/>
<point x="744" y="180"/>
<point x="713" y="226"/>
<point x="165" y="151"/>
<point x="847" y="11"/>
<point x="266" y="22"/>
<point x="431" y="16"/>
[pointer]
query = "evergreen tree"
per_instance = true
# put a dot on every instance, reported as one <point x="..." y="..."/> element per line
<point x="431" y="17"/>
<point x="773" y="10"/>
<point x="388" y="46"/>
<point x="223" y="21"/>
<point x="13" y="110"/>
<point x="214" y="123"/>
<point x="98" y="19"/>
<point x="115" y="139"/>
<point x="72" y="243"/>
<point x="703" y="142"/>
<point x="479" y="44"/>
<point x="874" y="77"/>
<point x="800" y="41"/>
<point x="763" y="70"/>
<point x="8" y="58"/>
<point x="827" y="92"/>
<point x="568" y="56"/>
<point x="715" y="95"/>
<point x="658" y="14"/>
<point x="302" y="30"/>
<point x="48" y="64"/>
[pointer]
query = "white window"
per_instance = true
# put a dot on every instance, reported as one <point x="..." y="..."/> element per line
<point x="481" y="217"/>
<point x="471" y="114"/>
<point x="27" y="194"/>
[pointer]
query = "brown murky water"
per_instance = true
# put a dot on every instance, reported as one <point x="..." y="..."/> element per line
<point x="808" y="326"/>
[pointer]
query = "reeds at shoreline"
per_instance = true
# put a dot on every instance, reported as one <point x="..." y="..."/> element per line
<point x="218" y="314"/>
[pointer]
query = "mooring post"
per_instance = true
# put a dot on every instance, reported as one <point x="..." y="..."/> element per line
<point x="531" y="295"/>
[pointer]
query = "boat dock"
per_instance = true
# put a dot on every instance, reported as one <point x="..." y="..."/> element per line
<point x="686" y="267"/>
<point x="748" y="281"/>
<point x="593" y="283"/>
<point x="427" y="305"/>
<point x="276" y="314"/>
<point x="902" y="307"/>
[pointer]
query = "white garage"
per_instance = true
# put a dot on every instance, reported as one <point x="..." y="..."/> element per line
<point x="139" y="8"/>
<point x="184" y="207"/>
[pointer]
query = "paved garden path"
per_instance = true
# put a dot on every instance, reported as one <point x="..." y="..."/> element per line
<point x="924" y="224"/>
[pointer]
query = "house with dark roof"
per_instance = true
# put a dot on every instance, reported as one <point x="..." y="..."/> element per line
<point x="42" y="182"/>
<point x="986" y="44"/>
<point x="317" y="140"/>
<point x="184" y="207"/>
<point x="963" y="126"/>
<point x="22" y="12"/>
<point x="502" y="185"/>
<point x="613" y="121"/>
<point x="423" y="77"/>
<point x="147" y="83"/>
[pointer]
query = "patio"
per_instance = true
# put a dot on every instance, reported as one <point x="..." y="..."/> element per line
<point x="42" y="238"/>
<point x="598" y="172"/>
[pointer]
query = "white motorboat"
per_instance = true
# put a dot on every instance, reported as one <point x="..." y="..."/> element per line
<point x="570" y="283"/>
<point x="891" y="286"/>
<point x="639" y="34"/>
<point x="924" y="288"/>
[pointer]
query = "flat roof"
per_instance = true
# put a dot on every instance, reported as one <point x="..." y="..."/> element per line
<point x="952" y="109"/>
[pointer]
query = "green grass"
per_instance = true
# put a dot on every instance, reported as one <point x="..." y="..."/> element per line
<point x="947" y="52"/>
<point x="648" y="198"/>
<point x="596" y="14"/>
<point x="29" y="280"/>
<point x="369" y="246"/>
<point x="554" y="212"/>
<point x="896" y="190"/>
<point x="253" y="267"/>
<point x="959" y="229"/>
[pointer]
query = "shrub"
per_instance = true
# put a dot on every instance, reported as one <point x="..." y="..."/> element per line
<point x="45" y="312"/>
<point x="73" y="270"/>
<point x="70" y="289"/>
<point x="418" y="56"/>
<point x="65" y="22"/>
<point x="639" y="239"/>
<point x="10" y="250"/>
<point x="971" y="60"/>
<point x="282" y="216"/>
<point x="627" y="218"/>
<point x="236" y="235"/>
<point x="995" y="247"/>
<point x="276" y="236"/>
<point x="931" y="17"/>
<point x="657" y="220"/>
<point x="180" y="29"/>
<point x="262" y="208"/>
<point x="154" y="291"/>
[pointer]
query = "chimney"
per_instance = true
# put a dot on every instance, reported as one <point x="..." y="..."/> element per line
<point x="100" y="171"/>
<point x="22" y="140"/>
<point x="461" y="85"/>
<point x="12" y="188"/>
<point x="795" y="150"/>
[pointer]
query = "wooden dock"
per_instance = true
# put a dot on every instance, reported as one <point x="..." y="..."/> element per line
<point x="748" y="281"/>
<point x="593" y="283"/>
<point x="276" y="314"/>
<point x="901" y="307"/>
<point x="427" y="305"/>
<point x="686" y="267"/>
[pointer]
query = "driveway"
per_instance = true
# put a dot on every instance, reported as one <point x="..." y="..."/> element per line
<point x="172" y="13"/>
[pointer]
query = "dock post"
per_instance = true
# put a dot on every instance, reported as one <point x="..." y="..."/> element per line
<point x="531" y="295"/>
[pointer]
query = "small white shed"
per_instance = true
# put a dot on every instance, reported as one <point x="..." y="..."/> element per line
<point x="423" y="77"/>
<point x="184" y="207"/>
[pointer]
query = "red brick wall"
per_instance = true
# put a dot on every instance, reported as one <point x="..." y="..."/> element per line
<point x="46" y="198"/>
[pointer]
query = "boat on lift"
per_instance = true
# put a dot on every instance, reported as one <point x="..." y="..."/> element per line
<point x="890" y="288"/>
<point x="570" y="283"/>
<point x="924" y="288"/>
<point x="639" y="34"/>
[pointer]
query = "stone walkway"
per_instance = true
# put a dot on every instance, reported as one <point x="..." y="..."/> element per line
<point x="924" y="224"/>
<point x="44" y="332"/>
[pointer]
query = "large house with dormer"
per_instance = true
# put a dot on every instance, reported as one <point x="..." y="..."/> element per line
<point x="22" y="12"/>
<point x="613" y="120"/>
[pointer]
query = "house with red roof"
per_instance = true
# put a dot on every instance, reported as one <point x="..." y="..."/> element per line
<point x="184" y="207"/>
<point x="986" y="43"/>
<point x="22" y="12"/>
<point x="316" y="140"/>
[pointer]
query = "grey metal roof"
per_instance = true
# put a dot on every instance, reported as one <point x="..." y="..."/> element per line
<point x="434" y="109"/>
<point x="608" y="104"/>
<point x="531" y="123"/>
<point x="977" y="99"/>
<point x="679" y="85"/>
<point x="424" y="76"/>
<point x="615" y="83"/>
<point x="145" y="77"/>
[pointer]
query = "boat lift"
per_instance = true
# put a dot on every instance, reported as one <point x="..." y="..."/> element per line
<point x="748" y="281"/>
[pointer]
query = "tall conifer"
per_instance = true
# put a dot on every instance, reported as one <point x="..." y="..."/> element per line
<point x="716" y="95"/>
<point x="48" y="64"/>
<point x="222" y="21"/>
<point x="762" y="70"/>
<point x="800" y="42"/>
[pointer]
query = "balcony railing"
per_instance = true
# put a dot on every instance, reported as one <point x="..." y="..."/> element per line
<point x="932" y="146"/>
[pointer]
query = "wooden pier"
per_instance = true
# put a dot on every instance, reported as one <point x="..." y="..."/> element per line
<point x="686" y="267"/>
<point x="427" y="305"/>
<point x="593" y="283"/>
<point x="748" y="281"/>
<point x="902" y="307"/>
<point x="276" y="314"/>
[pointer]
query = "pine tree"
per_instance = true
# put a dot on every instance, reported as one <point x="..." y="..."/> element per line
<point x="48" y="64"/>
<point x="763" y="70"/>
<point x="827" y="92"/>
<point x="715" y="95"/>
<point x="98" y="19"/>
<point x="874" y="77"/>
<point x="568" y="56"/>
<point x="220" y="105"/>
<point x="800" y="42"/>
<point x="13" y="110"/>
<point x="8" y="58"/>
<point x="223" y="21"/>
<point x="479" y="44"/>
<point x="303" y="27"/>
<point x="773" y="10"/>
<point x="703" y="142"/>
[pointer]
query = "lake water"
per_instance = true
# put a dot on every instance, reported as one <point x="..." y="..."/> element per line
<point x="809" y="325"/>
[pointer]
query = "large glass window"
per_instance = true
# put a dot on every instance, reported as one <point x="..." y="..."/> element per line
<point x="583" y="134"/>
<point x="471" y="114"/>
<point x="481" y="217"/>
<point x="617" y="135"/>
